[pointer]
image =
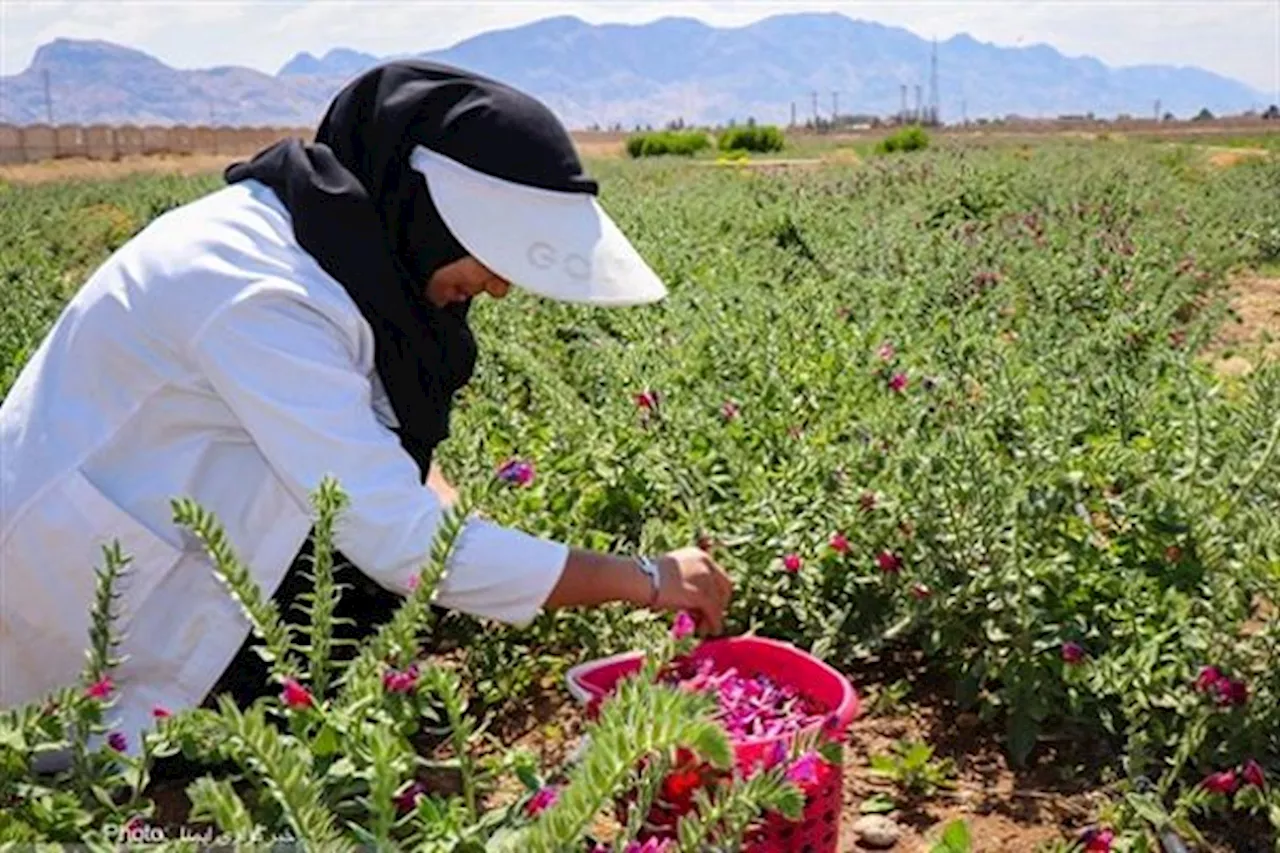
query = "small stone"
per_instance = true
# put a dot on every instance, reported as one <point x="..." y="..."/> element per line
<point x="877" y="832"/>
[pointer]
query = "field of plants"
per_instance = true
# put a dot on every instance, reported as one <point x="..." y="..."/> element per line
<point x="944" y="416"/>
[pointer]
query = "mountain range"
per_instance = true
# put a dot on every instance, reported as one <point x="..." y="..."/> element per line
<point x="620" y="74"/>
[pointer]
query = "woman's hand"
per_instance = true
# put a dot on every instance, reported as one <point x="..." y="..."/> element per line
<point x="692" y="581"/>
<point x="688" y="580"/>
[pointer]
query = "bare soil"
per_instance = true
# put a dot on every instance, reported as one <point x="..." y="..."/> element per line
<point x="1254" y="335"/>
<point x="1224" y="158"/>
<point x="82" y="168"/>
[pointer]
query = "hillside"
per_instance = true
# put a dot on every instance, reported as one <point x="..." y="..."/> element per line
<point x="628" y="74"/>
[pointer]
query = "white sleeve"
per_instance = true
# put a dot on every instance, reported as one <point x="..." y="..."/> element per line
<point x="291" y="377"/>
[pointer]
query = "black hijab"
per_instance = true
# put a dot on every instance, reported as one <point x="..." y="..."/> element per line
<point x="365" y="215"/>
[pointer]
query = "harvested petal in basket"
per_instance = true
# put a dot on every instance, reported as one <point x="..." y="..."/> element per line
<point x="768" y="694"/>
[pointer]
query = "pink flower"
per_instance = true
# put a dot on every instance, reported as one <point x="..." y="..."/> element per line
<point x="647" y="400"/>
<point x="1253" y="775"/>
<point x="295" y="695"/>
<point x="1232" y="693"/>
<point x="920" y="591"/>
<point x="1223" y="782"/>
<point x="683" y="627"/>
<point x="839" y="543"/>
<point x="889" y="562"/>
<point x="649" y="845"/>
<point x="729" y="410"/>
<point x="804" y="770"/>
<point x="1226" y="691"/>
<point x="887" y="351"/>
<point x="516" y="471"/>
<point x="413" y="583"/>
<point x="541" y="801"/>
<point x="1098" y="840"/>
<point x="1072" y="652"/>
<point x="100" y="689"/>
<point x="792" y="563"/>
<point x="400" y="682"/>
<point x="1207" y="679"/>
<point x="406" y="801"/>
<point x="160" y="712"/>
<point x="135" y="825"/>
<point x="117" y="741"/>
<point x="898" y="383"/>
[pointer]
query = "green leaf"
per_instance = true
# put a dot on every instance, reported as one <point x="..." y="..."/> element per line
<point x="878" y="804"/>
<point x="325" y="742"/>
<point x="1023" y="734"/>
<point x="955" y="838"/>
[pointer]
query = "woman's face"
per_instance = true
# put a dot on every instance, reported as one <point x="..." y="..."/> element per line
<point x="461" y="280"/>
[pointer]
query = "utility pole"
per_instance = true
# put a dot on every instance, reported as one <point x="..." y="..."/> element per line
<point x="815" y="107"/>
<point x="793" y="113"/>
<point x="48" y="98"/>
<point x="964" y="112"/>
<point x="835" y="106"/>
<point x="902" y="113"/>
<point x="919" y="104"/>
<point x="1157" y="109"/>
<point x="933" y="85"/>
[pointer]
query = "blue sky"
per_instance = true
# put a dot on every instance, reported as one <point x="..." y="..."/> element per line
<point x="1239" y="38"/>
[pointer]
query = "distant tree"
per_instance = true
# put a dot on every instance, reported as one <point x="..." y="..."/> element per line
<point x="1272" y="113"/>
<point x="1203" y="115"/>
<point x="1170" y="117"/>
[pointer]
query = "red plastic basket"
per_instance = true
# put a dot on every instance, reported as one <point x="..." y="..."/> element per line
<point x="818" y="830"/>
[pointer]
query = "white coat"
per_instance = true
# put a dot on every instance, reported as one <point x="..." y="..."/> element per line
<point x="212" y="358"/>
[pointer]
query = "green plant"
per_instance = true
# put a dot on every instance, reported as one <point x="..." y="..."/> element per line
<point x="759" y="138"/>
<point x="664" y="142"/>
<point x="955" y="838"/>
<point x="912" y="138"/>
<point x="911" y="766"/>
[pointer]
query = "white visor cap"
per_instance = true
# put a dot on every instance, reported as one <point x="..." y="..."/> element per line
<point x="561" y="245"/>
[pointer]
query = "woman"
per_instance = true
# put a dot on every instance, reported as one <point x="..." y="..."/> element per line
<point x="309" y="319"/>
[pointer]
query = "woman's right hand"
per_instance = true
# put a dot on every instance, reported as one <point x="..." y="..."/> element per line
<point x="690" y="580"/>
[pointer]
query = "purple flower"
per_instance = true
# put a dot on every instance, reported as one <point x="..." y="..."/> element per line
<point x="117" y="741"/>
<point x="395" y="681"/>
<point x="1072" y="652"/>
<point x="516" y="471"/>
<point x="406" y="801"/>
<point x="889" y="562"/>
<point x="804" y="771"/>
<point x="1253" y="775"/>
<point x="898" y="382"/>
<point x="541" y="801"/>
<point x="683" y="627"/>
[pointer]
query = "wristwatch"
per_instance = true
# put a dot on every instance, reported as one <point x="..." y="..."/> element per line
<point x="650" y="568"/>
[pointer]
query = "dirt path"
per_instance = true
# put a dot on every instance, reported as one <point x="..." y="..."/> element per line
<point x="80" y="168"/>
<point x="1241" y="345"/>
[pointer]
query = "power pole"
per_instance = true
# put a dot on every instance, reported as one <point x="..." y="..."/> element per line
<point x="48" y="97"/>
<point x="815" y="107"/>
<point x="919" y="104"/>
<point x="933" y="85"/>
<point x="964" y="112"/>
<point x="902" y="114"/>
<point x="835" y="106"/>
<point x="1157" y="109"/>
<point x="793" y="113"/>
